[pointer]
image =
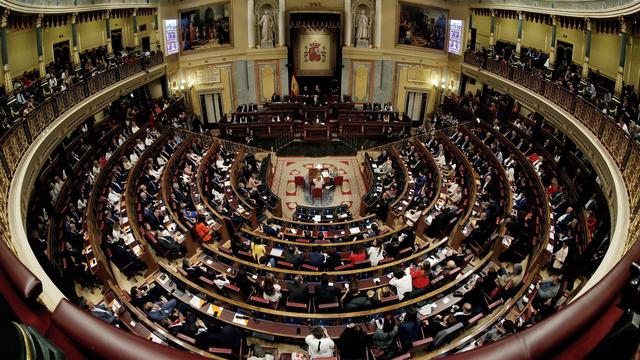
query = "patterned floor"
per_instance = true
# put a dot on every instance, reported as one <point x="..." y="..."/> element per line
<point x="284" y="184"/>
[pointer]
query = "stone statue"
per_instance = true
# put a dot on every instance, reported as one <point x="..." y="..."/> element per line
<point x="266" y="29"/>
<point x="363" y="24"/>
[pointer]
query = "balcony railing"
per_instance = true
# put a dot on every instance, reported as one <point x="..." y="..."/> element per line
<point x="585" y="312"/>
<point x="17" y="139"/>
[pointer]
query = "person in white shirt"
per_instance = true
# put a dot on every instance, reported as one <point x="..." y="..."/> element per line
<point x="375" y="252"/>
<point x="402" y="283"/>
<point x="560" y="256"/>
<point x="133" y="157"/>
<point x="320" y="344"/>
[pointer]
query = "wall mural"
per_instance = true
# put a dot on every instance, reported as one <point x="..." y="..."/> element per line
<point x="206" y="27"/>
<point x="421" y="26"/>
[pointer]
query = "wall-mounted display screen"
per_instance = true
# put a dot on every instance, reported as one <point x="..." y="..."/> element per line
<point x="455" y="37"/>
<point x="171" y="36"/>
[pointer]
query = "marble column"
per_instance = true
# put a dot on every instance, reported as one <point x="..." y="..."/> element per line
<point x="8" y="82"/>
<point x="519" y="43"/>
<point x="282" y="37"/>
<point x="136" y="42"/>
<point x="39" y="46"/>
<point x="156" y="28"/>
<point x="377" y="38"/>
<point x="470" y="45"/>
<point x="251" y="25"/>
<point x="587" y="50"/>
<point x="552" y="47"/>
<point x="74" y="39"/>
<point x="492" y="38"/>
<point x="107" y="28"/>
<point x="348" y="26"/>
<point x="623" y="58"/>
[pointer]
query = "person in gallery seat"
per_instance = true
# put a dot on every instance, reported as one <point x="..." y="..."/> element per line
<point x="275" y="98"/>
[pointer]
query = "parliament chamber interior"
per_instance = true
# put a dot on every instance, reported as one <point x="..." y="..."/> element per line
<point x="336" y="179"/>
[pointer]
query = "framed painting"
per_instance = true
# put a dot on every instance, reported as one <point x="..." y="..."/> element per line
<point x="206" y="27"/>
<point x="421" y="26"/>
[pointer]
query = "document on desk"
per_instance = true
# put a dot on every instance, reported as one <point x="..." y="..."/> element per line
<point x="196" y="302"/>
<point x="155" y="339"/>
<point x="354" y="230"/>
<point x="241" y="319"/>
<point x="317" y="218"/>
<point x="276" y="252"/>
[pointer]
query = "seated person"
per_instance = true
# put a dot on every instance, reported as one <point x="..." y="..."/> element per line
<point x="326" y="293"/>
<point x="270" y="288"/>
<point x="205" y="233"/>
<point x="298" y="291"/>
<point x="160" y="310"/>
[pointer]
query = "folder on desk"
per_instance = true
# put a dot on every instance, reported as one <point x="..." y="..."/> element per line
<point x="354" y="230"/>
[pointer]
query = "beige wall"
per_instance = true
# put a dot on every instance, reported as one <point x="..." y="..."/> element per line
<point x="91" y="35"/>
<point x="52" y="36"/>
<point x="605" y="48"/>
<point x="22" y="58"/>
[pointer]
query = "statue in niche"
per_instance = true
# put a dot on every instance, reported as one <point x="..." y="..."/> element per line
<point x="363" y="26"/>
<point x="266" y="25"/>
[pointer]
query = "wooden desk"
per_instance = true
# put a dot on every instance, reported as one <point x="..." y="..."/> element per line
<point x="317" y="132"/>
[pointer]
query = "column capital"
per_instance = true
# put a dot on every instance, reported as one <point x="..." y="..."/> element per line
<point x="554" y="20"/>
<point x="520" y="15"/>
<point x="39" y="20"/>
<point x="493" y="13"/>
<point x="587" y="22"/>
<point x="74" y="17"/>
<point x="135" y="12"/>
<point x="107" y="14"/>
<point x="4" y="21"/>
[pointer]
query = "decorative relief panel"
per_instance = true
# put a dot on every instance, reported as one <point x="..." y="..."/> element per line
<point x="14" y="145"/>
<point x="361" y="82"/>
<point x="634" y="233"/>
<point x="615" y="140"/>
<point x="632" y="175"/>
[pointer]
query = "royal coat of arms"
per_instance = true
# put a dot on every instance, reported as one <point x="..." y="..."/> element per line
<point x="314" y="52"/>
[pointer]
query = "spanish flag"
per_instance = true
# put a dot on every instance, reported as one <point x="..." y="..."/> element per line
<point x="295" y="90"/>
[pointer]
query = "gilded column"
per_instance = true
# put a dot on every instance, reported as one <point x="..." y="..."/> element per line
<point x="8" y="82"/>
<point x="107" y="28"/>
<point x="623" y="58"/>
<point x="282" y="8"/>
<point x="39" y="46"/>
<point x="552" y="48"/>
<point x="251" y="25"/>
<point x="136" y="42"/>
<point x="587" y="50"/>
<point x="377" y="39"/>
<point x="519" y="43"/>
<point x="348" y="30"/>
<point x="492" y="39"/>
<point x="74" y="39"/>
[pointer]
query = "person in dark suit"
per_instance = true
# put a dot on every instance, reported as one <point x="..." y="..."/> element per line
<point x="326" y="293"/>
<point x="275" y="98"/>
<point x="160" y="310"/>
<point x="298" y="291"/>
<point x="316" y="259"/>
<point x="101" y="312"/>
<point x="192" y="271"/>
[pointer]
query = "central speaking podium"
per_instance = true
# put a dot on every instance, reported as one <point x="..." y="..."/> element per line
<point x="317" y="132"/>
